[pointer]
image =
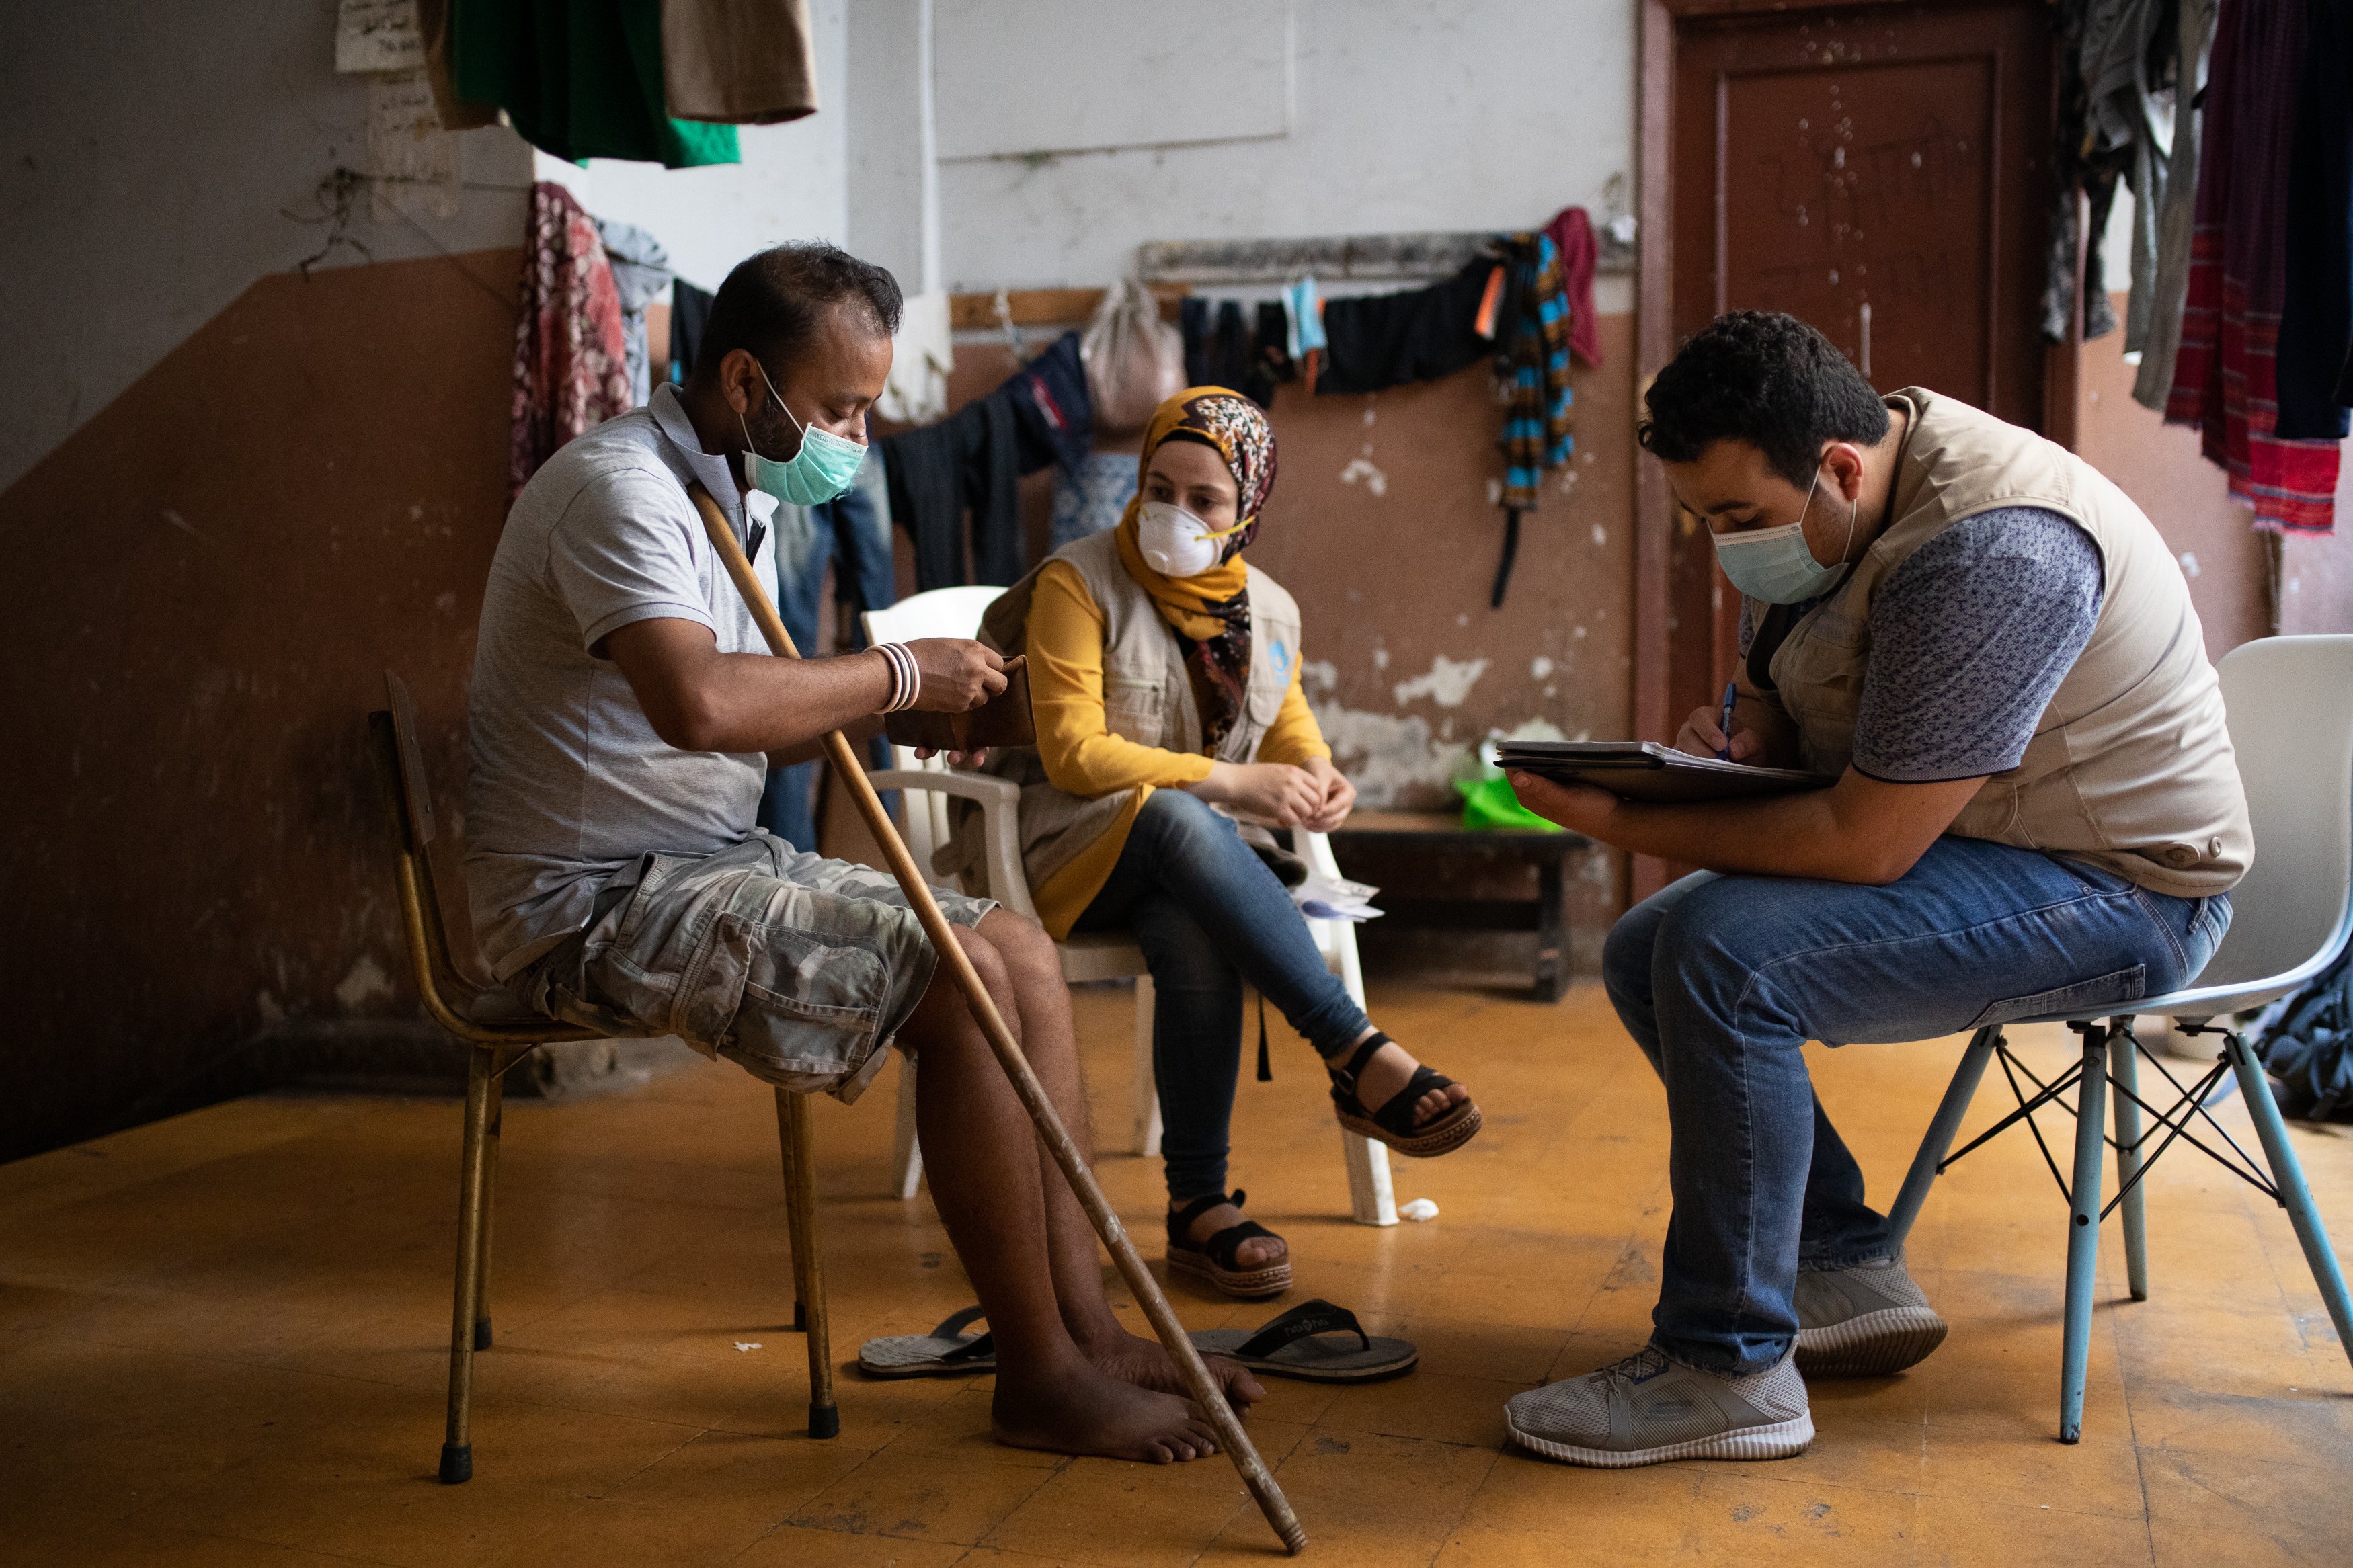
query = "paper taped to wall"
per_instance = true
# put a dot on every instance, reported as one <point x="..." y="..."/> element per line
<point x="412" y="161"/>
<point x="378" y="36"/>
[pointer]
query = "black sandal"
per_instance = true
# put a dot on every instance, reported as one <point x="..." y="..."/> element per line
<point x="1213" y="1262"/>
<point x="1393" y="1124"/>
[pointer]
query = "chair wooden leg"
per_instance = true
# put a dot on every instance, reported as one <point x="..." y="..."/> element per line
<point x="489" y="1209"/>
<point x="793" y="1133"/>
<point x="2083" y="1232"/>
<point x="2295" y="1196"/>
<point x="1147" y="1085"/>
<point x="2124" y="1073"/>
<point x="1942" y="1130"/>
<point x="906" y="1148"/>
<point x="474" y="1193"/>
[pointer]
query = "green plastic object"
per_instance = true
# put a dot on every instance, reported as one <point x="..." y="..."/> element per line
<point x="1490" y="802"/>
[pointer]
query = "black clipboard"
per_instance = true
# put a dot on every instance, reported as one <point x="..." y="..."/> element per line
<point x="1646" y="771"/>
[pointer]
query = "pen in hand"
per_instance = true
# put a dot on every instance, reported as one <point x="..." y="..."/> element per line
<point x="1731" y="696"/>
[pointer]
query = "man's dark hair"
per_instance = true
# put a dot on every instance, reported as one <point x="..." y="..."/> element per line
<point x="773" y="301"/>
<point x="1765" y="378"/>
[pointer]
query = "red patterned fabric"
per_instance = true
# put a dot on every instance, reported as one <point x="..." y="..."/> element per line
<point x="571" y="360"/>
<point x="2225" y="377"/>
<point x="1572" y="233"/>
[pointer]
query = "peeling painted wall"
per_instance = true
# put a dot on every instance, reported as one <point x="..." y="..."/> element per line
<point x="1408" y="668"/>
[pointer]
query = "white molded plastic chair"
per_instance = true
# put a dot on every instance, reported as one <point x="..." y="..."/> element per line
<point x="2290" y="703"/>
<point x="1110" y="955"/>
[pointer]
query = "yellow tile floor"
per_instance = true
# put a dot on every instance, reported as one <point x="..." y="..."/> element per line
<point x="223" y="1340"/>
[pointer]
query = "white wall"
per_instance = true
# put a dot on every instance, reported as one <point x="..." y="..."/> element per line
<point x="1475" y="114"/>
<point x="149" y="158"/>
<point x="792" y="183"/>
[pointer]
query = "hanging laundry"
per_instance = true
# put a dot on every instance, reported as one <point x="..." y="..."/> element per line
<point x="1533" y="365"/>
<point x="1196" y="323"/>
<point x="741" y="62"/>
<point x="1272" y="349"/>
<point x="1055" y="403"/>
<point x="1225" y="346"/>
<point x="846" y="540"/>
<point x="2084" y="165"/>
<point x="571" y="358"/>
<point x="922" y="356"/>
<point x="968" y="463"/>
<point x="2226" y="375"/>
<point x="580" y="81"/>
<point x="1580" y="254"/>
<point x="1378" y="341"/>
<point x="1093" y="495"/>
<point x="433" y="23"/>
<point x="690" y="312"/>
<point x="2169" y="281"/>
<point x="2316" y="312"/>
<point x="1306" y="308"/>
<point x="640" y="272"/>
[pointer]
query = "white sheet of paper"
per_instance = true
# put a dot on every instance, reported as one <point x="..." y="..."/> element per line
<point x="413" y="160"/>
<point x="378" y="36"/>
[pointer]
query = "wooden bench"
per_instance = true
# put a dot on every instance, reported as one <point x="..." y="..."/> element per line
<point x="1444" y="835"/>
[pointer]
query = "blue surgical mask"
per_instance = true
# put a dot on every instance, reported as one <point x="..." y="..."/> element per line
<point x="1776" y="565"/>
<point x="825" y="466"/>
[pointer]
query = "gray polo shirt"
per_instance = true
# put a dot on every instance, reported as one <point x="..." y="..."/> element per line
<point x="570" y="783"/>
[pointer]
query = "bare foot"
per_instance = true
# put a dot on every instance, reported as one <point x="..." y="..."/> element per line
<point x="1386" y="1077"/>
<point x="1078" y="1410"/>
<point x="1147" y="1365"/>
<point x="1258" y="1252"/>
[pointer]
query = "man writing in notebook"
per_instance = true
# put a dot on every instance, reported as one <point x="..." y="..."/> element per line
<point x="624" y="714"/>
<point x="2036" y="807"/>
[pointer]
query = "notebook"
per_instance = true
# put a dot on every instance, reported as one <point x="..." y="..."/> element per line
<point x="1644" y="770"/>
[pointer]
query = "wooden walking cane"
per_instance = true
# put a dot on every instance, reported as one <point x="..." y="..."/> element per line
<point x="1050" y="1130"/>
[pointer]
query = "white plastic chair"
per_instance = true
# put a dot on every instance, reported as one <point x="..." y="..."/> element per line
<point x="2290" y="704"/>
<point x="956" y="612"/>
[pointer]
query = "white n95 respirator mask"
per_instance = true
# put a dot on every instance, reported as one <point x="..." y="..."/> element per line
<point x="1174" y="542"/>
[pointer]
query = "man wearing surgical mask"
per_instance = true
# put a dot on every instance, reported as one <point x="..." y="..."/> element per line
<point x="1991" y="652"/>
<point x="624" y="713"/>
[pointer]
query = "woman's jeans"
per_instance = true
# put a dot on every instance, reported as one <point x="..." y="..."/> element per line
<point x="1721" y="980"/>
<point x="1209" y="914"/>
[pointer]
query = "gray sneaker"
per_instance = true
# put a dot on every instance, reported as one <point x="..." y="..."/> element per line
<point x="1864" y="1321"/>
<point x="1647" y="1409"/>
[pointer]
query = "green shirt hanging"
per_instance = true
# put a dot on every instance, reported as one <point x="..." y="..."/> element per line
<point x="580" y="79"/>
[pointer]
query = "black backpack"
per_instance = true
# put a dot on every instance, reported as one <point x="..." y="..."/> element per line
<point x="2306" y="1044"/>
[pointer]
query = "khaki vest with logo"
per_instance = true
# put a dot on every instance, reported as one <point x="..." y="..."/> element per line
<point x="1147" y="699"/>
<point x="2130" y="767"/>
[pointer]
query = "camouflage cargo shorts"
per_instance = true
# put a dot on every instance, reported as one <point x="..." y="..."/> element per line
<point x="798" y="968"/>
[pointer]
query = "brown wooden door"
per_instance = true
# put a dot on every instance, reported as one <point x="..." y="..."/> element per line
<point x="1879" y="171"/>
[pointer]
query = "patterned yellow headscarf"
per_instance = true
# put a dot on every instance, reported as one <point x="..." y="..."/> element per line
<point x="1209" y="612"/>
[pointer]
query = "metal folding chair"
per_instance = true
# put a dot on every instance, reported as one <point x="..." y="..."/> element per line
<point x="2290" y="702"/>
<point x="464" y="1000"/>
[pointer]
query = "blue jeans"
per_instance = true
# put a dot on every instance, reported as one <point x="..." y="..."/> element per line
<point x="1208" y="915"/>
<point x="851" y="533"/>
<point x="1721" y="980"/>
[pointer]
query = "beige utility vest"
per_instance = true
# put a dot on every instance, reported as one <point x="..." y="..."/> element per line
<point x="1147" y="699"/>
<point x="2130" y="767"/>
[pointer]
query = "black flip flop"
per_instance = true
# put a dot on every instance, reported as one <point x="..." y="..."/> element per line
<point x="946" y="1352"/>
<point x="1292" y="1346"/>
<point x="1394" y="1123"/>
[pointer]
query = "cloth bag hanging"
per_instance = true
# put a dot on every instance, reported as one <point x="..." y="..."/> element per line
<point x="1135" y="360"/>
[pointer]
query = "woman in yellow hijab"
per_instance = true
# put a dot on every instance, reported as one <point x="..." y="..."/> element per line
<point x="1164" y="674"/>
